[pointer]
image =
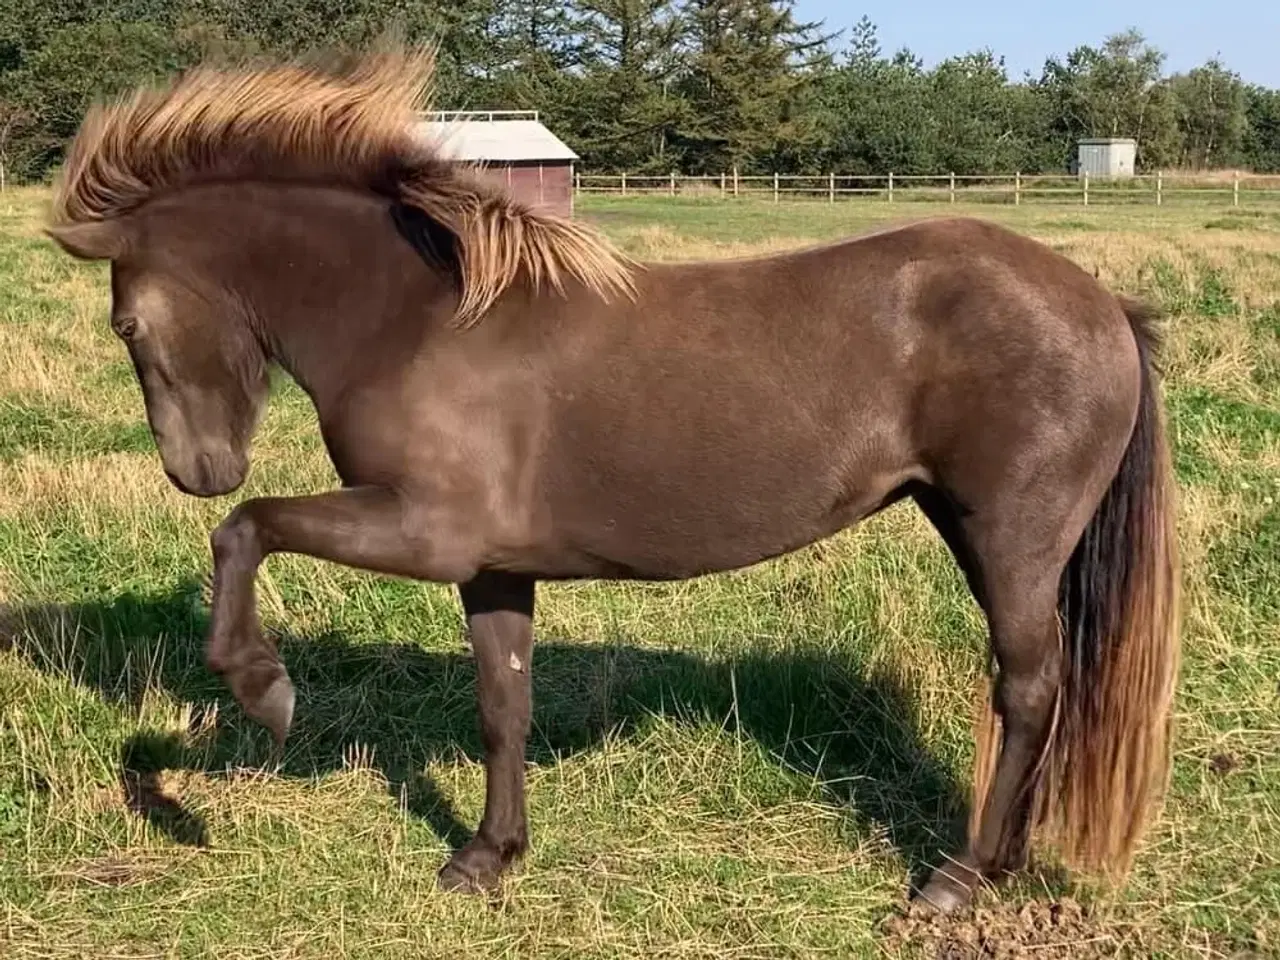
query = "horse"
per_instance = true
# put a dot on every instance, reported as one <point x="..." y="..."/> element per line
<point x="508" y="398"/>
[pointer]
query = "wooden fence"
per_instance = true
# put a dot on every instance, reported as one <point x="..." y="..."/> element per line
<point x="1159" y="189"/>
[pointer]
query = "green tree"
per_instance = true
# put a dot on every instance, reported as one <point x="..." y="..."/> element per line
<point x="973" y="122"/>
<point x="750" y="85"/>
<point x="652" y="85"/>
<point x="874" y="115"/>
<point x="1211" y="115"/>
<point x="33" y="99"/>
<point x="1116" y="90"/>
<point x="627" y="109"/>
<point x="537" y="34"/>
<point x="1261" y="142"/>
<point x="536" y="48"/>
<point x="292" y="27"/>
<point x="1040" y="148"/>
<point x="863" y="51"/>
<point x="76" y="65"/>
<point x="28" y="25"/>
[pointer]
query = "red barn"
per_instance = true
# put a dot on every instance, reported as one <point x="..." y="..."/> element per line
<point x="514" y="147"/>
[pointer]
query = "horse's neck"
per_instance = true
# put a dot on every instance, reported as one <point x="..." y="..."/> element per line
<point x="334" y="295"/>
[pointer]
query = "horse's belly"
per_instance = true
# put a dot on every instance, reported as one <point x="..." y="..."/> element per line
<point x="663" y="532"/>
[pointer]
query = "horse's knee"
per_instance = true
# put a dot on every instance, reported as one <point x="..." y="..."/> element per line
<point x="1026" y="696"/>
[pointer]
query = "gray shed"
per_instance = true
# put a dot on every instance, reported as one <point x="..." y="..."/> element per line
<point x="514" y="147"/>
<point x="1106" y="156"/>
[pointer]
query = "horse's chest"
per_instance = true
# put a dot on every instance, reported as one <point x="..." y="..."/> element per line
<point x="364" y="450"/>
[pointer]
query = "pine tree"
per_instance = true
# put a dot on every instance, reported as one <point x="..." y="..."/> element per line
<point x="749" y="84"/>
<point x="627" y="109"/>
<point x="536" y="48"/>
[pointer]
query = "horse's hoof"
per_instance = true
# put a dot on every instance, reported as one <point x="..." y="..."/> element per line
<point x="457" y="878"/>
<point x="274" y="709"/>
<point x="946" y="891"/>
<point x="476" y="868"/>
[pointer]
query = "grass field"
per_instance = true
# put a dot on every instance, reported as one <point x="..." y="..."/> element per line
<point x="749" y="765"/>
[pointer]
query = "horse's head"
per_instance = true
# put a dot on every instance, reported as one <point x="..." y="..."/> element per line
<point x="202" y="371"/>
<point x="181" y="274"/>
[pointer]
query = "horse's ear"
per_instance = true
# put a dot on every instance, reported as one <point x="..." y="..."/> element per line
<point x="92" y="240"/>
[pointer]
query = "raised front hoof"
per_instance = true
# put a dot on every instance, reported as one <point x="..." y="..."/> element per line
<point x="273" y="708"/>
<point x="950" y="888"/>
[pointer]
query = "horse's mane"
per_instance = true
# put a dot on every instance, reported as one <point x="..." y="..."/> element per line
<point x="350" y="123"/>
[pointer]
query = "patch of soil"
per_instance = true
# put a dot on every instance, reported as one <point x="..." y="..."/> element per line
<point x="1036" y="929"/>
<point x="1224" y="763"/>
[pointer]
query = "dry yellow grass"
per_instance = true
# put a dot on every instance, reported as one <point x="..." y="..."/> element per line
<point x="663" y="243"/>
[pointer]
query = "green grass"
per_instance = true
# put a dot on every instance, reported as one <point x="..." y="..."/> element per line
<point x="747" y="765"/>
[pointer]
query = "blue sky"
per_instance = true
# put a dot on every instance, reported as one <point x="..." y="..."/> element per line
<point x="1244" y="33"/>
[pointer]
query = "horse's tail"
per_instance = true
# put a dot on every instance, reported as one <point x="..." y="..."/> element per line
<point x="1118" y="604"/>
<point x="1107" y="763"/>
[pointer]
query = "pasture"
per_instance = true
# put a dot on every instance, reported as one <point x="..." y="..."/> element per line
<point x="747" y="765"/>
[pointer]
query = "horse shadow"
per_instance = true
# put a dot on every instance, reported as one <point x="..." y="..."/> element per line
<point x="852" y="729"/>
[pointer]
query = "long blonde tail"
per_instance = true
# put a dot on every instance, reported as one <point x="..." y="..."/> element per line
<point x="1107" y="763"/>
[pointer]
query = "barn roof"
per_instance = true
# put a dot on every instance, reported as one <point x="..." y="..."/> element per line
<point x="494" y="136"/>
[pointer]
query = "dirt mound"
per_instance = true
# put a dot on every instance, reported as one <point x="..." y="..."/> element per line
<point x="1036" y="929"/>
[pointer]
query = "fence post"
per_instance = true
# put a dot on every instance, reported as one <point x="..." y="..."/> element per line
<point x="775" y="188"/>
<point x="1017" y="189"/>
<point x="673" y="183"/>
<point x="735" y="179"/>
<point x="1235" y="189"/>
<point x="577" y="184"/>
<point x="891" y="186"/>
<point x="1086" y="188"/>
<point x="1159" y="188"/>
<point x="723" y="189"/>
<point x="953" y="187"/>
<point x="624" y="184"/>
<point x="831" y="188"/>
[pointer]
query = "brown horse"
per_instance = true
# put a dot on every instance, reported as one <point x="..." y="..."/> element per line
<point x="507" y="399"/>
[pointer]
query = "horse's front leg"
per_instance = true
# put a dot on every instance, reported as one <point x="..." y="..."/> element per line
<point x="375" y="530"/>
<point x="364" y="527"/>
<point x="499" y="610"/>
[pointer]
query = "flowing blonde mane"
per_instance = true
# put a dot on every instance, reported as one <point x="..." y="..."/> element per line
<point x="349" y="124"/>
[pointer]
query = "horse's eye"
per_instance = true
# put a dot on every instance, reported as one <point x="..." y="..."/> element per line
<point x="125" y="327"/>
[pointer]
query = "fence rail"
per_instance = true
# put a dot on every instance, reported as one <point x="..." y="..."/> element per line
<point x="1016" y="188"/>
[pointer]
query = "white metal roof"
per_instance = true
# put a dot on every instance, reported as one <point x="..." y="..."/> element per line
<point x="486" y="136"/>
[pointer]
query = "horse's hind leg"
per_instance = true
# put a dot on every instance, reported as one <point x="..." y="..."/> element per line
<point x="1013" y="560"/>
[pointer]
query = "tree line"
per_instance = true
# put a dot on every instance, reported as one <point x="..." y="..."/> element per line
<point x="651" y="86"/>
